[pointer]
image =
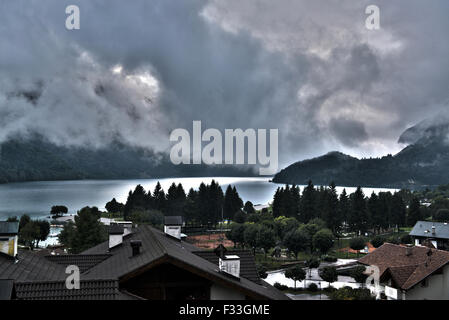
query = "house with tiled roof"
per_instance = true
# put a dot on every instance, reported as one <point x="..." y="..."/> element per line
<point x="409" y="272"/>
<point x="142" y="263"/>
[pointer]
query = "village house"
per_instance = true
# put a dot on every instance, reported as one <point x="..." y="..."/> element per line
<point x="434" y="233"/>
<point x="409" y="272"/>
<point x="137" y="263"/>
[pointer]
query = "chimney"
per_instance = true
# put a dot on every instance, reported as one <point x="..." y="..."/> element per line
<point x="127" y="227"/>
<point x="135" y="245"/>
<point x="172" y="226"/>
<point x="409" y="251"/>
<point x="230" y="264"/>
<point x="9" y="237"/>
<point x="115" y="235"/>
<point x="433" y="230"/>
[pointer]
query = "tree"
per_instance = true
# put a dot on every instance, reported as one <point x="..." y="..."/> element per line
<point x="307" y="207"/>
<point x="236" y="234"/>
<point x="29" y="233"/>
<point x="232" y="202"/>
<point x="249" y="208"/>
<point x="159" y="198"/>
<point x="358" y="213"/>
<point x="88" y="231"/>
<point x="441" y="215"/>
<point x="330" y="212"/>
<point x="295" y="273"/>
<point x="323" y="240"/>
<point x="343" y="207"/>
<point x="329" y="274"/>
<point x="250" y="235"/>
<point x="44" y="231"/>
<point x="239" y="217"/>
<point x="24" y="220"/>
<point x="266" y="239"/>
<point x="357" y="244"/>
<point x="114" y="207"/>
<point x="398" y="210"/>
<point x="67" y="234"/>
<point x="377" y="241"/>
<point x="152" y="217"/>
<point x="296" y="241"/>
<point x="358" y="273"/>
<point x="58" y="211"/>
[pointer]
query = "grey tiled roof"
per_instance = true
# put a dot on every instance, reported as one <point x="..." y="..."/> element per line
<point x="57" y="290"/>
<point x="157" y="246"/>
<point x="29" y="267"/>
<point x="424" y="229"/>
<point x="7" y="228"/>
<point x="39" y="277"/>
<point x="83" y="261"/>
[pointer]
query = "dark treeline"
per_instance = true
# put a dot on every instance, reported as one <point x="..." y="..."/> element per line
<point x="348" y="213"/>
<point x="205" y="206"/>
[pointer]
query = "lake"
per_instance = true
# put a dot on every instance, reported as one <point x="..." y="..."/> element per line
<point x="36" y="198"/>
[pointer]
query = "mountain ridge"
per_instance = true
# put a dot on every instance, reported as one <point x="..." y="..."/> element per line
<point x="422" y="163"/>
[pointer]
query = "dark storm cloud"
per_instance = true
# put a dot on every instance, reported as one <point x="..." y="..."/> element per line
<point x="350" y="132"/>
<point x="308" y="68"/>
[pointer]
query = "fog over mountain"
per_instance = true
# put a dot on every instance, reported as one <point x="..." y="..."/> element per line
<point x="424" y="162"/>
<point x="137" y="70"/>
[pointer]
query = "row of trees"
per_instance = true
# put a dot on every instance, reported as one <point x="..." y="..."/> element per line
<point x="263" y="231"/>
<point x="350" y="213"/>
<point x="205" y="206"/>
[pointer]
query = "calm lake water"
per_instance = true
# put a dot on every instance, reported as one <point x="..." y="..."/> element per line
<point x="36" y="198"/>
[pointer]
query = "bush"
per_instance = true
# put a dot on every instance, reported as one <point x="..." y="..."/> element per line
<point x="406" y="239"/>
<point x="377" y="241"/>
<point x="329" y="259"/>
<point x="393" y="240"/>
<point x="357" y="244"/>
<point x="313" y="287"/>
<point x="348" y="293"/>
<point x="279" y="286"/>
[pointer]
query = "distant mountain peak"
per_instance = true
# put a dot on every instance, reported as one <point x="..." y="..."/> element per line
<point x="436" y="127"/>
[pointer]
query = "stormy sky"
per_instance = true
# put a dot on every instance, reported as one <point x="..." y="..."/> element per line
<point x="138" y="69"/>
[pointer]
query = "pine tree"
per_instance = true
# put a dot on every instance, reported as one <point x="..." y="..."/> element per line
<point x="359" y="218"/>
<point x="414" y="212"/>
<point x="159" y="198"/>
<point x="307" y="204"/>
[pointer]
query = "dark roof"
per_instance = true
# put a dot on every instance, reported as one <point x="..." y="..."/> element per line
<point x="57" y="290"/>
<point x="83" y="261"/>
<point x="406" y="266"/>
<point x="116" y="229"/>
<point x="39" y="277"/>
<point x="6" y="289"/>
<point x="157" y="247"/>
<point x="173" y="220"/>
<point x="29" y="267"/>
<point x="248" y="268"/>
<point x="9" y="228"/>
<point x="424" y="229"/>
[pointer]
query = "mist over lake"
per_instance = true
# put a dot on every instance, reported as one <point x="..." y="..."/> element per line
<point x="36" y="198"/>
